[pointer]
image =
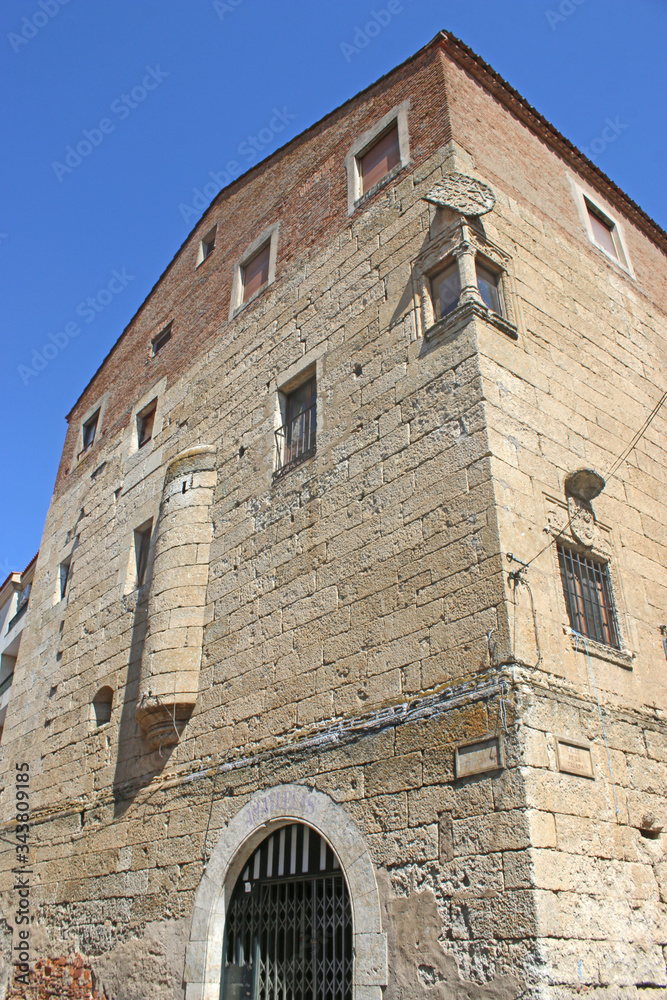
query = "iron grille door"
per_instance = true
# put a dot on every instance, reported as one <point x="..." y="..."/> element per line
<point x="289" y="924"/>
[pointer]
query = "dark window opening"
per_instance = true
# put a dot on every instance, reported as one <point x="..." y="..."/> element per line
<point x="142" y="542"/>
<point x="289" y="924"/>
<point x="208" y="244"/>
<point x="379" y="160"/>
<point x="588" y="596"/>
<point x="296" y="440"/>
<point x="603" y="230"/>
<point x="102" y="704"/>
<point x="162" y="338"/>
<point x="145" y="421"/>
<point x="88" y="431"/>
<point x="256" y="272"/>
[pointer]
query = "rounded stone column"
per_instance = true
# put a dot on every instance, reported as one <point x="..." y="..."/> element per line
<point x="171" y="657"/>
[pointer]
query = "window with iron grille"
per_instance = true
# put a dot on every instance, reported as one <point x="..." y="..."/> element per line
<point x="588" y="596"/>
<point x="296" y="439"/>
<point x="288" y="934"/>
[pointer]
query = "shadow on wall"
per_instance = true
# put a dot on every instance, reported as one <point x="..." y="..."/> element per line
<point x="136" y="766"/>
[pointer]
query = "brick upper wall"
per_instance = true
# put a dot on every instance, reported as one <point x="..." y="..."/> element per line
<point x="303" y="187"/>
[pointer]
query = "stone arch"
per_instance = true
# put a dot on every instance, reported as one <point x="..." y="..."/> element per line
<point x="267" y="810"/>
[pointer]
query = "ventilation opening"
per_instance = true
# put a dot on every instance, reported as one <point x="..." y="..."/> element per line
<point x="102" y="703"/>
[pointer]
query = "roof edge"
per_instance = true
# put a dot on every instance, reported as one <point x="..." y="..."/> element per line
<point x="537" y="123"/>
<point x="499" y="88"/>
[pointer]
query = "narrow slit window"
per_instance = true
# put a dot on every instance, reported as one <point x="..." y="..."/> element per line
<point x="88" y="432"/>
<point x="102" y="705"/>
<point x="603" y="230"/>
<point x="157" y="343"/>
<point x="445" y="290"/>
<point x="256" y="272"/>
<point x="142" y="542"/>
<point x="145" y="424"/>
<point x="588" y="597"/>
<point x="64" y="577"/>
<point x="379" y="160"/>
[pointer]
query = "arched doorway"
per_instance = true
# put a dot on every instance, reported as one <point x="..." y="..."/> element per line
<point x="288" y="932"/>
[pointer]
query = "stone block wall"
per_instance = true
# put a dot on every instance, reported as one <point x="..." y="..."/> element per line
<point x="370" y="584"/>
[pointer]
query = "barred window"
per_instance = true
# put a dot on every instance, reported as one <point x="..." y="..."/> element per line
<point x="289" y="923"/>
<point x="296" y="440"/>
<point x="588" y="596"/>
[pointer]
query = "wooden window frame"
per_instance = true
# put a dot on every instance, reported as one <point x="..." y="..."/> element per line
<point x="363" y="156"/>
<point x="268" y="237"/>
<point x="398" y="118"/>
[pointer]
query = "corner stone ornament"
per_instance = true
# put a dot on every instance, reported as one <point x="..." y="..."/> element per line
<point x="462" y="193"/>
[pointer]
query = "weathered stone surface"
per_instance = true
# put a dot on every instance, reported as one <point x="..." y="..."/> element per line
<point x="341" y="629"/>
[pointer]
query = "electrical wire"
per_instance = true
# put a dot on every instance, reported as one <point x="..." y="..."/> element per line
<point x="635" y="441"/>
<point x="613" y="469"/>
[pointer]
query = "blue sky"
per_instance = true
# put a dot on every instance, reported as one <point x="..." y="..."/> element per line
<point x="183" y="87"/>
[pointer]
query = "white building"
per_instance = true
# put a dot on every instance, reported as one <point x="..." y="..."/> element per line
<point x="14" y="597"/>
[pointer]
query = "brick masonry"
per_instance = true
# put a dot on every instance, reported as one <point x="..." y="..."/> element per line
<point x="358" y="624"/>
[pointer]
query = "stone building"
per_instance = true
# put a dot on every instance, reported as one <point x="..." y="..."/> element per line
<point x="355" y="685"/>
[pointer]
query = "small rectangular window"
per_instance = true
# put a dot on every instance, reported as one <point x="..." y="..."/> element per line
<point x="588" y="596"/>
<point x="208" y="244"/>
<point x="157" y="343"/>
<point x="256" y="272"/>
<point x="488" y="284"/>
<point x="379" y="160"/>
<point x="142" y="542"/>
<point x="64" y="575"/>
<point x="445" y="290"/>
<point x="296" y="439"/>
<point x="602" y="229"/>
<point x="88" y="431"/>
<point x="145" y="422"/>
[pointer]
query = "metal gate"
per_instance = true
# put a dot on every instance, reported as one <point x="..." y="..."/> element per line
<point x="288" y="934"/>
